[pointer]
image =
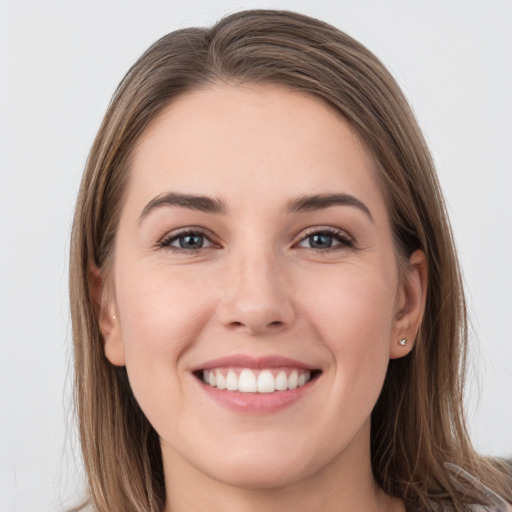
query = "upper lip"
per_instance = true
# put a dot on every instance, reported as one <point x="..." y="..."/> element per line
<point x="246" y="361"/>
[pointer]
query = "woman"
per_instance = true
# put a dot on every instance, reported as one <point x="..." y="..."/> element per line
<point x="267" y="307"/>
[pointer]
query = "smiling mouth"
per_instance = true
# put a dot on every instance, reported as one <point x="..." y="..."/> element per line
<point x="248" y="380"/>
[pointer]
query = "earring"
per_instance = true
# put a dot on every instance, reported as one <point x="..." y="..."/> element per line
<point x="402" y="342"/>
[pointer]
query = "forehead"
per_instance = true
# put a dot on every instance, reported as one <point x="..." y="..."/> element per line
<point x="241" y="141"/>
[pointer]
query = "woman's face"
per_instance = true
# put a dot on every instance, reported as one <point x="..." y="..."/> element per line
<point x="254" y="251"/>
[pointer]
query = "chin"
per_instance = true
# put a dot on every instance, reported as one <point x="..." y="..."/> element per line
<point x="263" y="463"/>
<point x="260" y="475"/>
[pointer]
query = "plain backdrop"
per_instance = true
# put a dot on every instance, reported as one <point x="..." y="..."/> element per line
<point x="60" y="62"/>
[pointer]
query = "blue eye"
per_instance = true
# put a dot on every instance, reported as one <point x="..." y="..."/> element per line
<point x="323" y="240"/>
<point x="193" y="241"/>
<point x="320" y="241"/>
<point x="188" y="241"/>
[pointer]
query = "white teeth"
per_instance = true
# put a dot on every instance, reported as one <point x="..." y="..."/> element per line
<point x="220" y="380"/>
<point x="232" y="381"/>
<point x="266" y="382"/>
<point x="281" y="381"/>
<point x="293" y="380"/>
<point x="263" y="381"/>
<point x="247" y="382"/>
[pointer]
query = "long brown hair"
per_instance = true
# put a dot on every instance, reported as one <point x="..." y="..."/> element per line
<point x="418" y="422"/>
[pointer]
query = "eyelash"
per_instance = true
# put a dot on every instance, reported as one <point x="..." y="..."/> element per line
<point x="166" y="242"/>
<point x="345" y="241"/>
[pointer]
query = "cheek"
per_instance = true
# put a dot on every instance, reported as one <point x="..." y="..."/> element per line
<point x="353" y="314"/>
<point x="162" y="316"/>
<point x="161" y="309"/>
<point x="354" y="308"/>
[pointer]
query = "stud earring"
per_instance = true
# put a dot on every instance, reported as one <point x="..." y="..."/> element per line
<point x="402" y="342"/>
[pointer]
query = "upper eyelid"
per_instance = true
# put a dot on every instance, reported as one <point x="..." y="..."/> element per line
<point x="330" y="229"/>
<point x="176" y="233"/>
<point x="324" y="229"/>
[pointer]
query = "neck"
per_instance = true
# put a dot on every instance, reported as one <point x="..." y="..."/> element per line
<point x="344" y="484"/>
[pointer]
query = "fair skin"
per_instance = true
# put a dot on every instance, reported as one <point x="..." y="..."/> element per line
<point x="269" y="282"/>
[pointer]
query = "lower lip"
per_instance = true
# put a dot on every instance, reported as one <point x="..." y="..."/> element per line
<point x="256" y="403"/>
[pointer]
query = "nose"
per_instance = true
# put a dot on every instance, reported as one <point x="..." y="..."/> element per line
<point x="256" y="299"/>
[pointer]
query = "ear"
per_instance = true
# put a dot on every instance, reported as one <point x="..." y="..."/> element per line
<point x="106" y="316"/>
<point x="410" y="305"/>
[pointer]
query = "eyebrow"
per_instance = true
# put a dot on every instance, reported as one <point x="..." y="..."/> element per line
<point x="308" y="203"/>
<point x="193" y="202"/>
<point x="304" y="203"/>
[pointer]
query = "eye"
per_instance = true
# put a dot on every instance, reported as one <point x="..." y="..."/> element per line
<point x="186" y="241"/>
<point x="325" y="239"/>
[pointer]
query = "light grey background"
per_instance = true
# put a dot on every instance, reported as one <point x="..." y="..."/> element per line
<point x="60" y="62"/>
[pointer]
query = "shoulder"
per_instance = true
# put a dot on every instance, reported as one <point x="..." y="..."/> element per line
<point x="504" y="507"/>
<point x="481" y="508"/>
<point x="464" y="480"/>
